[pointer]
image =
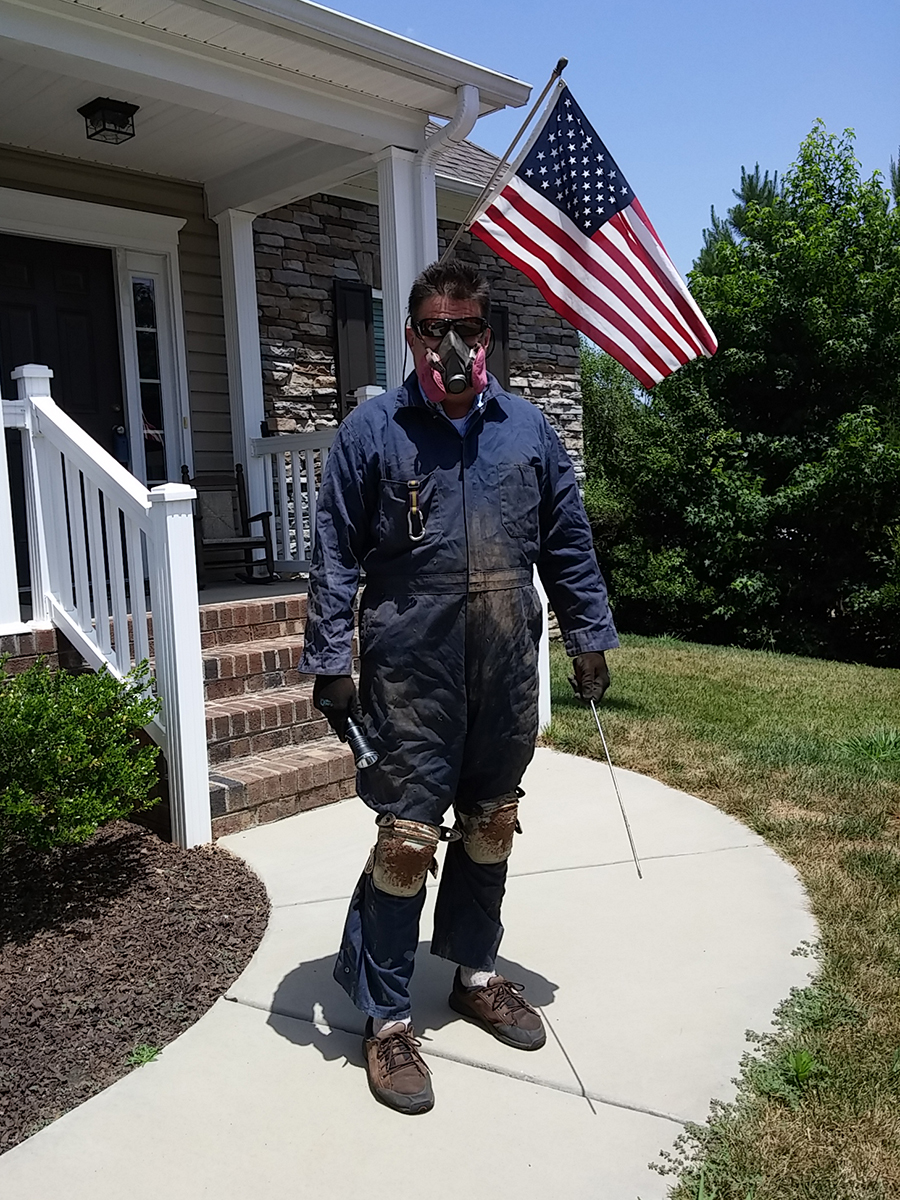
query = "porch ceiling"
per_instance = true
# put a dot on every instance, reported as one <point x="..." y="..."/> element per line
<point x="39" y="110"/>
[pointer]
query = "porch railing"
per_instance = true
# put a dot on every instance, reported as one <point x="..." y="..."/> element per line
<point x="97" y="537"/>
<point x="295" y="462"/>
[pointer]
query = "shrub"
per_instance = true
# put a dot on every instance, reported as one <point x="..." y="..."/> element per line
<point x="70" y="758"/>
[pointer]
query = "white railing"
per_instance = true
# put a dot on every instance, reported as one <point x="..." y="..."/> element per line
<point x="96" y="536"/>
<point x="293" y="476"/>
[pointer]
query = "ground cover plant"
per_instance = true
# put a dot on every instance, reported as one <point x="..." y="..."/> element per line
<point x="807" y="753"/>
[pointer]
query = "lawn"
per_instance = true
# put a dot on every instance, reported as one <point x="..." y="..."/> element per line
<point x="807" y="753"/>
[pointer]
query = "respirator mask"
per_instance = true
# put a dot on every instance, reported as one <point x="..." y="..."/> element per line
<point x="453" y="366"/>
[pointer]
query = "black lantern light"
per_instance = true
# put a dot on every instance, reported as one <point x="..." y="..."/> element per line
<point x="109" y="120"/>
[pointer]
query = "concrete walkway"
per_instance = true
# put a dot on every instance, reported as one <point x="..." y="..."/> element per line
<point x="647" y="988"/>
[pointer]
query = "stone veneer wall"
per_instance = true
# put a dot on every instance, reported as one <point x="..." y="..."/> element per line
<point x="302" y="249"/>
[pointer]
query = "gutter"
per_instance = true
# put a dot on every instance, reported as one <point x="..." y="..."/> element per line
<point x="307" y="21"/>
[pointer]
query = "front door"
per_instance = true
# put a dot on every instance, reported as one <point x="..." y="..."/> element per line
<point x="58" y="308"/>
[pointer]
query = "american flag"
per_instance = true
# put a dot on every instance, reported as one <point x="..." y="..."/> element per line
<point x="568" y="219"/>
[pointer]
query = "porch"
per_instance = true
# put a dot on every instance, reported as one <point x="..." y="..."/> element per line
<point x="127" y="272"/>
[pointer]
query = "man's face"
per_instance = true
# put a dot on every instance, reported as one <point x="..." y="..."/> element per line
<point x="441" y="307"/>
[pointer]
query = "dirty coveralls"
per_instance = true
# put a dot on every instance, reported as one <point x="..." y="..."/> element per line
<point x="449" y="628"/>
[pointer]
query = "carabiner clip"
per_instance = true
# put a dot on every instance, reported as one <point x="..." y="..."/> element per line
<point x="414" y="516"/>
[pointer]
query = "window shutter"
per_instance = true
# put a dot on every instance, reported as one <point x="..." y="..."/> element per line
<point x="380" y="359"/>
<point x="355" y="340"/>
<point x="498" y="359"/>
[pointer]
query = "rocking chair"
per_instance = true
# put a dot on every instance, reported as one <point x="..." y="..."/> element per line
<point x="222" y="525"/>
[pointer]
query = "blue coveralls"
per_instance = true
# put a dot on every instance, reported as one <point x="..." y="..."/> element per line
<point x="449" y="628"/>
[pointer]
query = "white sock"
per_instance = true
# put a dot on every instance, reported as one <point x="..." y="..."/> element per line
<point x="380" y="1023"/>
<point x="470" y="978"/>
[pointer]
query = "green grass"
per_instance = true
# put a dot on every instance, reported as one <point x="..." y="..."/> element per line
<point x="807" y="753"/>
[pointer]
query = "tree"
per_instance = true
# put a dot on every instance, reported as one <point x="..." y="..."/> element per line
<point x="757" y="493"/>
<point x="755" y="189"/>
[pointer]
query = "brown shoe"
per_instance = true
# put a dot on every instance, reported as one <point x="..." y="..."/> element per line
<point x="397" y="1075"/>
<point x="499" y="1008"/>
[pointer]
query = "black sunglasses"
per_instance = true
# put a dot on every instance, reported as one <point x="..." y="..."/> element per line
<point x="439" y="327"/>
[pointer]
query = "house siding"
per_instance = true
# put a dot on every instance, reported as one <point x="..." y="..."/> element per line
<point x="200" y="273"/>
<point x="302" y="248"/>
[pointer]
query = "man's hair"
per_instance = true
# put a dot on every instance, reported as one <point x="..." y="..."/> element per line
<point x="454" y="279"/>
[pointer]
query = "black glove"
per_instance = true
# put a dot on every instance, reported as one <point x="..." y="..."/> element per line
<point x="591" y="678"/>
<point x="335" y="696"/>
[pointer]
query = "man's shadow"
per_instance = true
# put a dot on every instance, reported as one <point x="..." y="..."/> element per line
<point x="308" y="1000"/>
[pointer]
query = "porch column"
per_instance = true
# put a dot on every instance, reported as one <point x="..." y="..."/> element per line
<point x="245" y="382"/>
<point x="406" y="215"/>
<point x="10" y="617"/>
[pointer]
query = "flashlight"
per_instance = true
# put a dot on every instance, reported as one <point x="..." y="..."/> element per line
<point x="363" y="754"/>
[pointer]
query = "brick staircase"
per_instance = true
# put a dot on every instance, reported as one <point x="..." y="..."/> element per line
<point x="270" y="753"/>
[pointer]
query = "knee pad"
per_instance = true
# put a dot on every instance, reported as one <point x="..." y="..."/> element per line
<point x="488" y="834"/>
<point x="403" y="855"/>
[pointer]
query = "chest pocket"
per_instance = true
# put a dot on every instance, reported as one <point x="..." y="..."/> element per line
<point x="408" y="513"/>
<point x="519" y="500"/>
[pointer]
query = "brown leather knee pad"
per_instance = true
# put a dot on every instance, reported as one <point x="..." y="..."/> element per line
<point x="488" y="834"/>
<point x="403" y="855"/>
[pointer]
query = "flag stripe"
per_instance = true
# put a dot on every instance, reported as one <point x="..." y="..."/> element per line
<point x="677" y="288"/>
<point x="582" y="317"/>
<point x="609" y="270"/>
<point x="611" y="249"/>
<point x="560" y="259"/>
<point x="619" y="237"/>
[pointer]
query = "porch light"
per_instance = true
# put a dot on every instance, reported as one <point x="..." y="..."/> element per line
<point x="109" y="120"/>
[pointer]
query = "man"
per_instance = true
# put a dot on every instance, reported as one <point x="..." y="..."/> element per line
<point x="446" y="492"/>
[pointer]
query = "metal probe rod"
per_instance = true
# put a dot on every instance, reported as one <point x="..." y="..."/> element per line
<point x="618" y="793"/>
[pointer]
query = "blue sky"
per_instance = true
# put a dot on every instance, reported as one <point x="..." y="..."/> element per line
<point x="684" y="92"/>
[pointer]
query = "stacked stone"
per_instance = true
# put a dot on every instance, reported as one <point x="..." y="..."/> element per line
<point x="300" y="251"/>
<point x="303" y="248"/>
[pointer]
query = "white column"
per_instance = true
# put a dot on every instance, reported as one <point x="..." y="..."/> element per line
<point x="245" y="383"/>
<point x="179" y="666"/>
<point x="401" y="222"/>
<point x="10" y="616"/>
<point x="33" y="381"/>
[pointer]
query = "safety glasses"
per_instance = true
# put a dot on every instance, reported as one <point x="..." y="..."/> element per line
<point x="439" y="327"/>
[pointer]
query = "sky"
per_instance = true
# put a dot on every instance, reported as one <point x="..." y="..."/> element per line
<point x="683" y="92"/>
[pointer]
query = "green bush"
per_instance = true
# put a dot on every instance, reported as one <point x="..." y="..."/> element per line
<point x="70" y="758"/>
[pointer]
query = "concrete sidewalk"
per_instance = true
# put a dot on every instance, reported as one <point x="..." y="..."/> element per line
<point x="647" y="988"/>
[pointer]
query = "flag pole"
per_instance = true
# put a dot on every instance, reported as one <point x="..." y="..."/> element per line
<point x="505" y="158"/>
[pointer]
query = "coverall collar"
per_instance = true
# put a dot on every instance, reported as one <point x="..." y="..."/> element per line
<point x="410" y="394"/>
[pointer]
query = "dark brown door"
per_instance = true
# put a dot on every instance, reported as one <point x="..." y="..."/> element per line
<point x="58" y="308"/>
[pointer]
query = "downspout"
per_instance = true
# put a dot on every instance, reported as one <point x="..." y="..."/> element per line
<point x="457" y="129"/>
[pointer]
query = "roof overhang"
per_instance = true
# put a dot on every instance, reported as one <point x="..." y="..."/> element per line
<point x="245" y="96"/>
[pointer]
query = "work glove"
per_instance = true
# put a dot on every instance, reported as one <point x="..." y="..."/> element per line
<point x="335" y="697"/>
<point x="591" y="678"/>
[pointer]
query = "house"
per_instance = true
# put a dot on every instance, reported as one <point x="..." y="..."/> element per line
<point x="156" y="160"/>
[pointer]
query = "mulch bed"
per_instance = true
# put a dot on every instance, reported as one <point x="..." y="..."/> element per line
<point x="122" y="942"/>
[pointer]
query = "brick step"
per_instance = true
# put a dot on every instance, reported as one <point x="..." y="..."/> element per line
<point x="240" y="621"/>
<point x="266" y="787"/>
<point x="254" y="723"/>
<point x="253" y="666"/>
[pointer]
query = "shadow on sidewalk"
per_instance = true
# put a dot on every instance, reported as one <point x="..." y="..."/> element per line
<point x="311" y="997"/>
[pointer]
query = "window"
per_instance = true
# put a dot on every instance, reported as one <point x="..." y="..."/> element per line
<point x="154" y="419"/>
<point x="149" y="378"/>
